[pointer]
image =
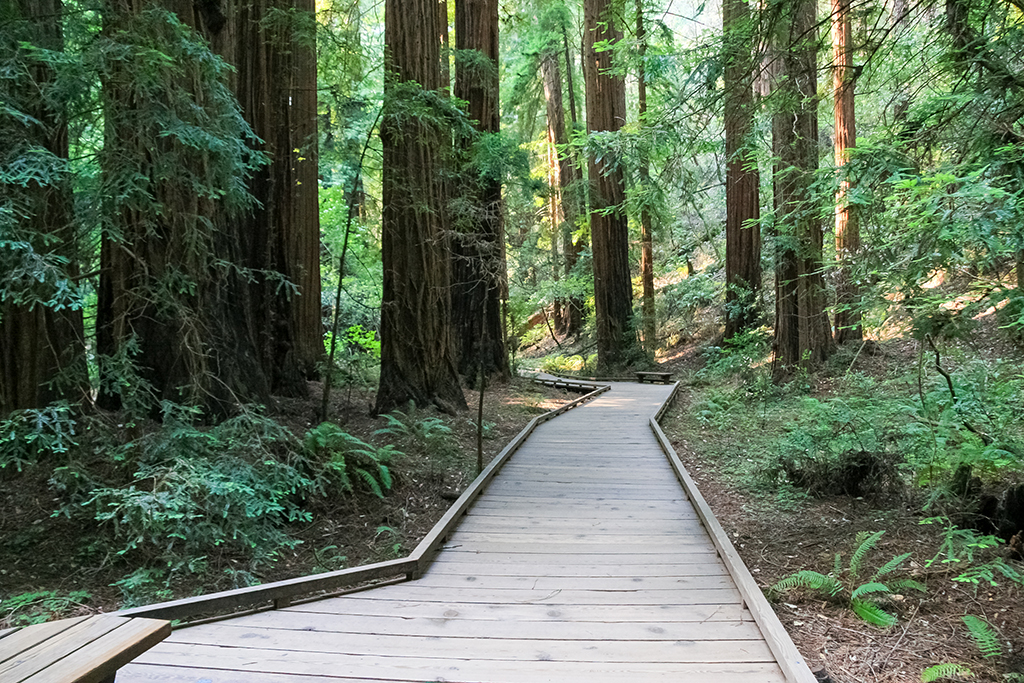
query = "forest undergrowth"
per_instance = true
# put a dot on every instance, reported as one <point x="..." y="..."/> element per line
<point x="141" y="512"/>
<point x="880" y="513"/>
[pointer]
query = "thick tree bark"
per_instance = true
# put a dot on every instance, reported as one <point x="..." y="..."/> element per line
<point x="801" y="324"/>
<point x="478" y="254"/>
<point x="42" y="350"/>
<point x="847" y="319"/>
<point x="276" y="87"/>
<point x="417" y="354"/>
<point x="646" y="227"/>
<point x="742" y="203"/>
<point x="609" y="230"/>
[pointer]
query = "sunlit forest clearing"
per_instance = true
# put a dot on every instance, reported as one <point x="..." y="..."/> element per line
<point x="275" y="273"/>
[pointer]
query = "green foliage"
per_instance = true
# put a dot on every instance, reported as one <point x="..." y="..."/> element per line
<point x="340" y="457"/>
<point x="192" y="491"/>
<point x="429" y="434"/>
<point x="35" y="607"/>
<point x="984" y="636"/>
<point x="949" y="670"/>
<point x="26" y="436"/>
<point x="866" y="599"/>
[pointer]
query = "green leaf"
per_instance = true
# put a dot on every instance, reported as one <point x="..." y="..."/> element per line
<point x="872" y="613"/>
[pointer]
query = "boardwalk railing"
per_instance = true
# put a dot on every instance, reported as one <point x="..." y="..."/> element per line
<point x="280" y="594"/>
<point x="789" y="658"/>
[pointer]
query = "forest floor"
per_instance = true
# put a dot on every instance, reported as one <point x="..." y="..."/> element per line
<point x="55" y="566"/>
<point x="728" y="434"/>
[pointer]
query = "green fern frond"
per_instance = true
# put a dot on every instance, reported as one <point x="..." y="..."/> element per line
<point x="396" y="424"/>
<point x="370" y="482"/>
<point x="872" y="613"/>
<point x="892" y="565"/>
<point x="385" y="476"/>
<point x="810" y="580"/>
<point x="865" y="542"/>
<point x="870" y="588"/>
<point x="948" y="670"/>
<point x="901" y="584"/>
<point x="985" y="637"/>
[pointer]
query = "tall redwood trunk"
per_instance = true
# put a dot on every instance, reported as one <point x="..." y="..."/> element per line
<point x="417" y="354"/>
<point x="171" y="285"/>
<point x="565" y="187"/>
<point x="276" y="87"/>
<point x="802" y="327"/>
<point x="742" y="203"/>
<point x="478" y="244"/>
<point x="646" y="227"/>
<point x="609" y="230"/>
<point x="848" y="326"/>
<point x="39" y="342"/>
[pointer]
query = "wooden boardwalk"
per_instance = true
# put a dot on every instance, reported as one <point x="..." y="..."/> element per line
<point x="583" y="560"/>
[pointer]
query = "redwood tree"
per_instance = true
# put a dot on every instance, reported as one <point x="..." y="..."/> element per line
<point x="646" y="227"/>
<point x="606" y="112"/>
<point x="417" y="354"/>
<point x="177" y="261"/>
<point x="802" y="329"/>
<point x="41" y="331"/>
<point x="847" y="225"/>
<point x="742" y="204"/>
<point x="478" y="241"/>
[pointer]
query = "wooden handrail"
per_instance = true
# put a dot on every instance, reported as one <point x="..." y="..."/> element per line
<point x="281" y="593"/>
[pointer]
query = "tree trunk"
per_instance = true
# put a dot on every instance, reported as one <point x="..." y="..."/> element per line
<point x="646" y="228"/>
<point x="276" y="87"/>
<point x="802" y="326"/>
<point x="566" y="187"/>
<point x="478" y="254"/>
<point x="848" y="324"/>
<point x="186" y="283"/>
<point x="609" y="230"/>
<point x="417" y="354"/>
<point x="42" y="351"/>
<point x="742" y="202"/>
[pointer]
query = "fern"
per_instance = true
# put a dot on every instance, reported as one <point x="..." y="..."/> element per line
<point x="872" y="613"/>
<point x="985" y="637"/>
<point x="948" y="670"/>
<point x="892" y="565"/>
<point x="810" y="580"/>
<point x="899" y="585"/>
<point x="865" y="542"/>
<point x="869" y="589"/>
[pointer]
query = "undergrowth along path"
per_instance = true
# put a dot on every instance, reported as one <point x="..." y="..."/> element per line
<point x="583" y="560"/>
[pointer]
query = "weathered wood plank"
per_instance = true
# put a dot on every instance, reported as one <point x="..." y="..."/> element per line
<point x="579" y="569"/>
<point x="498" y="629"/>
<point x="281" y="641"/>
<point x="460" y="669"/>
<point x="697" y="596"/>
<point x="563" y="614"/>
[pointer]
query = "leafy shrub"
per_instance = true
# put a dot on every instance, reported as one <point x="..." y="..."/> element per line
<point x="339" y="455"/>
<point x="232" y="487"/>
<point x="838" y="447"/>
<point x="429" y="434"/>
<point x="28" y="435"/>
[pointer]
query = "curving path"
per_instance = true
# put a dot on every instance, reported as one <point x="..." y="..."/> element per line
<point x="583" y="560"/>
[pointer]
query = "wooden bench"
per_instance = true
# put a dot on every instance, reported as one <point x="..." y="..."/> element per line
<point x="79" y="650"/>
<point x="652" y="377"/>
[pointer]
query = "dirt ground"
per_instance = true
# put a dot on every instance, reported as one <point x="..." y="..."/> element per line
<point x="776" y="539"/>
